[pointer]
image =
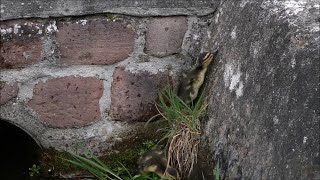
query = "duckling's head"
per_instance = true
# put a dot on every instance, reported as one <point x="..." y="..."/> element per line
<point x="206" y="58"/>
<point x="155" y="161"/>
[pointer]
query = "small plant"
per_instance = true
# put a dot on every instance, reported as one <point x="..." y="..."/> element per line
<point x="147" y="145"/>
<point x="34" y="170"/>
<point x="183" y="131"/>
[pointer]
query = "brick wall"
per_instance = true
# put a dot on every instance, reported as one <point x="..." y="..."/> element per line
<point x="71" y="76"/>
<point x="73" y="73"/>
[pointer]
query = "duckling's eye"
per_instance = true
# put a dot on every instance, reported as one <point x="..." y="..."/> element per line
<point x="207" y="55"/>
<point x="202" y="56"/>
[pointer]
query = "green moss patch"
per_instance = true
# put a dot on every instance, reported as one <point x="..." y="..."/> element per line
<point x="126" y="152"/>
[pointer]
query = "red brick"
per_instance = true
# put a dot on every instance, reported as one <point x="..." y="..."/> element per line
<point x="7" y="91"/>
<point x="67" y="101"/>
<point x="94" y="41"/>
<point x="20" y="43"/>
<point x="165" y="35"/>
<point x="133" y="94"/>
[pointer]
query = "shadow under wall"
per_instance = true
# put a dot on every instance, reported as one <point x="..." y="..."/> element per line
<point x="18" y="152"/>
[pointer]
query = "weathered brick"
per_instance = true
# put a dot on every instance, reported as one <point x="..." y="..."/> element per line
<point x="67" y="101"/>
<point x="7" y="91"/>
<point x="165" y="35"/>
<point x="94" y="41"/>
<point x="21" y="43"/>
<point x="133" y="94"/>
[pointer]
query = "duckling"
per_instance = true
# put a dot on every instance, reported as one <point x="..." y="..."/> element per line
<point x="155" y="161"/>
<point x="192" y="81"/>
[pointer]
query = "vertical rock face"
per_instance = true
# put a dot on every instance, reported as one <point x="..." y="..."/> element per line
<point x="263" y="113"/>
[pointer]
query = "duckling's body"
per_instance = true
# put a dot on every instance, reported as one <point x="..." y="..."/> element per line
<point x="155" y="161"/>
<point x="192" y="81"/>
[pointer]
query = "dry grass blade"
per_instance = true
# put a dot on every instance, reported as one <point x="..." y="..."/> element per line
<point x="183" y="150"/>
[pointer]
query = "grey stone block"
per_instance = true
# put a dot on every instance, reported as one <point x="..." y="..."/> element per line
<point x="33" y="8"/>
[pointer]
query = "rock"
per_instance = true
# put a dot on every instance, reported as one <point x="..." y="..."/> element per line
<point x="20" y="43"/>
<point x="263" y="113"/>
<point x="19" y="8"/>
<point x="67" y="101"/>
<point x="7" y="91"/>
<point x="133" y="95"/>
<point x="165" y="35"/>
<point x="94" y="41"/>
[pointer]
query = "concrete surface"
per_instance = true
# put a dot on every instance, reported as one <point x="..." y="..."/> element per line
<point x="33" y="8"/>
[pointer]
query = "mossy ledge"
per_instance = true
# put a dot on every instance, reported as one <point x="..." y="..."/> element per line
<point x="127" y="151"/>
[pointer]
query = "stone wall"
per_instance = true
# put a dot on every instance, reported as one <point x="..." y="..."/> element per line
<point x="78" y="72"/>
<point x="73" y="74"/>
<point x="263" y="114"/>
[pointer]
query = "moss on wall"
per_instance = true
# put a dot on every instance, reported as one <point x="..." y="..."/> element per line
<point x="125" y="152"/>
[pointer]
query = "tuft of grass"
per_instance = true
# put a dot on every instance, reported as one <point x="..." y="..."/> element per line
<point x="183" y="131"/>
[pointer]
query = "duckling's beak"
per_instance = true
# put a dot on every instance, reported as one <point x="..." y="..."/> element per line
<point x="214" y="51"/>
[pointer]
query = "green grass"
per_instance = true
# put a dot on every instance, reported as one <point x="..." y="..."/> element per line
<point x="183" y="130"/>
<point x="93" y="165"/>
<point x="102" y="171"/>
<point x="176" y="112"/>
